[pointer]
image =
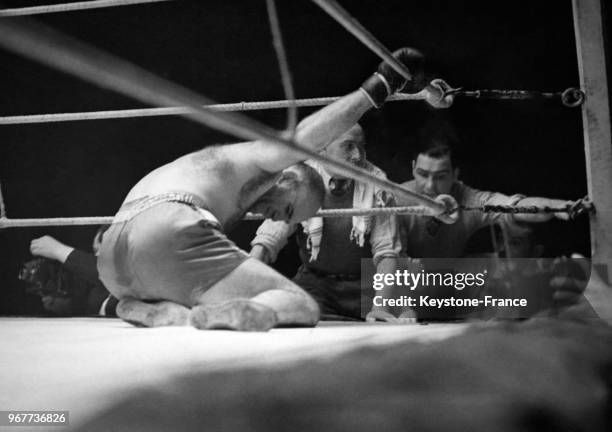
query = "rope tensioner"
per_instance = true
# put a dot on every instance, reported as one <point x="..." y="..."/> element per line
<point x="578" y="207"/>
<point x="573" y="209"/>
<point x="570" y="97"/>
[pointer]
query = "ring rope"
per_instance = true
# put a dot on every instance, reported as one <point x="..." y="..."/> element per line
<point x="353" y="26"/>
<point x="67" y="7"/>
<point x="75" y="58"/>
<point x="283" y="64"/>
<point x="262" y="105"/>
<point x="103" y="220"/>
<point x="165" y="111"/>
<point x="574" y="209"/>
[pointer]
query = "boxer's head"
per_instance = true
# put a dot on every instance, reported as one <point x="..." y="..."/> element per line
<point x="296" y="196"/>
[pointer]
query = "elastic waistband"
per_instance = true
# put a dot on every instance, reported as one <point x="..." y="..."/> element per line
<point x="132" y="208"/>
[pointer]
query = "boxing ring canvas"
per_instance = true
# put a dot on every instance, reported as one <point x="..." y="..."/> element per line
<point x="339" y="376"/>
<point x="536" y="375"/>
<point x="86" y="364"/>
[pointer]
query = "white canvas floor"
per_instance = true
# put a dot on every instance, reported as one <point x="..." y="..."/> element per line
<point x="83" y="364"/>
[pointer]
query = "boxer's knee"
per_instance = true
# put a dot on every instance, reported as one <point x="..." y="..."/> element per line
<point x="309" y="304"/>
<point x="312" y="310"/>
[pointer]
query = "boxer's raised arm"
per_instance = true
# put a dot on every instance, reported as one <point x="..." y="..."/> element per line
<point x="314" y="132"/>
<point x="322" y="127"/>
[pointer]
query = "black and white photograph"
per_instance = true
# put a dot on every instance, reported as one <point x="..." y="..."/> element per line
<point x="301" y="215"/>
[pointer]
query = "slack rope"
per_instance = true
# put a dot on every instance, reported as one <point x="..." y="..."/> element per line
<point x="356" y="29"/>
<point x="574" y="209"/>
<point x="67" y="7"/>
<point x="283" y="64"/>
<point x="69" y="55"/>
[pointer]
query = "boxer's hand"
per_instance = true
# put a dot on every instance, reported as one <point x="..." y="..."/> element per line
<point x="387" y="81"/>
<point x="414" y="61"/>
<point x="435" y="94"/>
<point x="48" y="247"/>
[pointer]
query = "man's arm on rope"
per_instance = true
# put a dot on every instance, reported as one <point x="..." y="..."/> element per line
<point x="473" y="197"/>
<point x="477" y="198"/>
<point x="270" y="238"/>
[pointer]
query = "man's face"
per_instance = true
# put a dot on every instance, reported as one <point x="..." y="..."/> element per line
<point x="288" y="200"/>
<point x="348" y="148"/>
<point x="433" y="176"/>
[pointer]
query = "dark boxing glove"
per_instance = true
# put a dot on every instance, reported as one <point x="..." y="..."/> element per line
<point x="387" y="81"/>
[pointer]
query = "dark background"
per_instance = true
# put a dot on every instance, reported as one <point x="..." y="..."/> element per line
<point x="223" y="49"/>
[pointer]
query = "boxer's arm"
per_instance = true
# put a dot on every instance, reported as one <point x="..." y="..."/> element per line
<point x="324" y="126"/>
<point x="313" y="133"/>
<point x="270" y="238"/>
<point x="259" y="252"/>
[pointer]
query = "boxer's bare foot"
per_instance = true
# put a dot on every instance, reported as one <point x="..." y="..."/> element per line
<point x="163" y="313"/>
<point x="238" y="314"/>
